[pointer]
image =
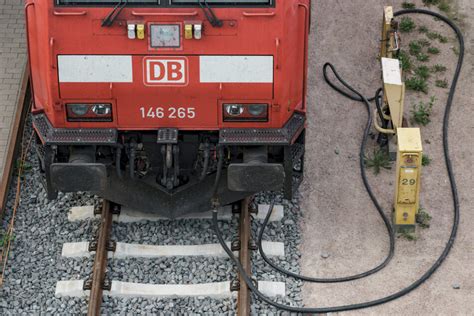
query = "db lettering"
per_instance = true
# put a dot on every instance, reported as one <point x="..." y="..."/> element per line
<point x="166" y="71"/>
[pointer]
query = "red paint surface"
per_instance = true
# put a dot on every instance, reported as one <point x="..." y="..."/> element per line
<point x="283" y="35"/>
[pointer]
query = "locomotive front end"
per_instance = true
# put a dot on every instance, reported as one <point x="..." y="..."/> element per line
<point x="163" y="105"/>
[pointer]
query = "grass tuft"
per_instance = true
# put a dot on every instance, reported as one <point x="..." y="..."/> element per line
<point x="5" y="238"/>
<point x="423" y="29"/>
<point x="425" y="160"/>
<point x="423" y="72"/>
<point x="424" y="42"/>
<point x="438" y="68"/>
<point x="421" y="112"/>
<point x="409" y="236"/>
<point x="408" y="5"/>
<point x="405" y="60"/>
<point x="433" y="50"/>
<point x="437" y="36"/>
<point x="442" y="83"/>
<point x="407" y="25"/>
<point x="444" y="7"/>
<point x="379" y="159"/>
<point x="417" y="84"/>
<point x="415" y="48"/>
<point x="423" y="57"/>
<point x="431" y="2"/>
<point x="423" y="218"/>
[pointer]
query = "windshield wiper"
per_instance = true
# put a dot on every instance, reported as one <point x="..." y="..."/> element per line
<point x="211" y="17"/>
<point x="112" y="16"/>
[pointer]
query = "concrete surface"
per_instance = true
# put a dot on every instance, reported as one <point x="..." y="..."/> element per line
<point x="340" y="220"/>
<point x="12" y="63"/>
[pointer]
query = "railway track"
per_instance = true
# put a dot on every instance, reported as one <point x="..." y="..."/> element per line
<point x="18" y="124"/>
<point x="104" y="249"/>
<point x="15" y="149"/>
<point x="98" y="284"/>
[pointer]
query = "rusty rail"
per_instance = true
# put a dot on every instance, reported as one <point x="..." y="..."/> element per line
<point x="245" y="232"/>
<point x="16" y="131"/>
<point x="100" y="260"/>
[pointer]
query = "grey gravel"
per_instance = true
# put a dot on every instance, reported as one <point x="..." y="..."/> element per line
<point x="35" y="263"/>
<point x="287" y="231"/>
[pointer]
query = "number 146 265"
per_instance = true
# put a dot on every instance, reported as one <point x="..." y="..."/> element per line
<point x="167" y="113"/>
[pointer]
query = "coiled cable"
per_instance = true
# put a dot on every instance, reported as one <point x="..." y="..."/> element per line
<point x="368" y="188"/>
<point x="454" y="192"/>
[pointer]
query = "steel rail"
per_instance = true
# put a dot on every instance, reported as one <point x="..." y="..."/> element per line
<point x="16" y="132"/>
<point x="245" y="232"/>
<point x="100" y="260"/>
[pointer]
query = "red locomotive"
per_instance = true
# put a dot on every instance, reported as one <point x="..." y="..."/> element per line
<point x="143" y="102"/>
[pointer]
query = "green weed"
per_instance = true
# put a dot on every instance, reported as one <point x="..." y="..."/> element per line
<point x="5" y="238"/>
<point x="438" y="68"/>
<point x="432" y="35"/>
<point x="415" y="48"/>
<point x="379" y="159"/>
<point x="408" y="5"/>
<point x="24" y="166"/>
<point x="423" y="72"/>
<point x="417" y="84"/>
<point x="433" y="50"/>
<point x="443" y="39"/>
<point x="423" y="57"/>
<point x="437" y="36"/>
<point x="407" y="25"/>
<point x="423" y="218"/>
<point x="423" y="29"/>
<point x="421" y="112"/>
<point x="408" y="236"/>
<point x="425" y="160"/>
<point x="431" y="2"/>
<point x="445" y="7"/>
<point x="424" y="42"/>
<point x="405" y="60"/>
<point x="442" y="83"/>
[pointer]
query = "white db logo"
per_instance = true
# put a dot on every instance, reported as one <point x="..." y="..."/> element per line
<point x="166" y="71"/>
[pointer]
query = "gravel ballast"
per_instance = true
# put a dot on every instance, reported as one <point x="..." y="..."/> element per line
<point x="41" y="228"/>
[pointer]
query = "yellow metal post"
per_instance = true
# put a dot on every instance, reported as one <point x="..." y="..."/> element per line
<point x="409" y="159"/>
<point x="389" y="34"/>
<point x="394" y="90"/>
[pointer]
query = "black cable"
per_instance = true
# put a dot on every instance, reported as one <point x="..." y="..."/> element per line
<point x="455" y="196"/>
<point x="382" y="139"/>
<point x="378" y="105"/>
<point x="356" y="97"/>
<point x="118" y="159"/>
<point x="368" y="188"/>
<point x="215" y="188"/>
<point x="205" y="165"/>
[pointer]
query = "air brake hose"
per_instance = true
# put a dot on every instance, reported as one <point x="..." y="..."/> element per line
<point x="215" y="188"/>
<point x="454" y="192"/>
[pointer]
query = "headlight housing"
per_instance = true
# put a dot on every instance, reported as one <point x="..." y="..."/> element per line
<point x="89" y="112"/>
<point x="79" y="109"/>
<point x="241" y="112"/>
<point x="101" y="109"/>
<point x="234" y="110"/>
